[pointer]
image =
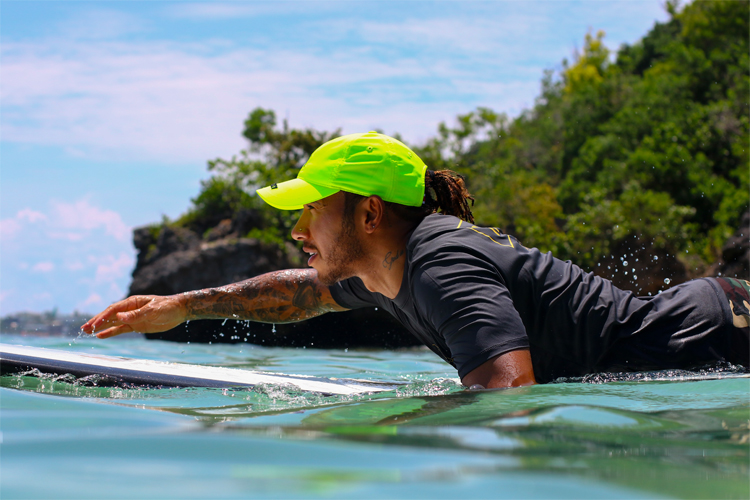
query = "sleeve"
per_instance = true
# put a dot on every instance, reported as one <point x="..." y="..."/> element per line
<point x="468" y="304"/>
<point x="352" y="294"/>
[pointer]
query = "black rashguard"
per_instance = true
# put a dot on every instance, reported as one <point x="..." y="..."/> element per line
<point x="471" y="293"/>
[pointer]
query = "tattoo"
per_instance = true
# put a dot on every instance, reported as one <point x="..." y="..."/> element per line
<point x="389" y="259"/>
<point x="277" y="297"/>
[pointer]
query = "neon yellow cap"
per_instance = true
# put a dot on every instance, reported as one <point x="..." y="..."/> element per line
<point x="366" y="164"/>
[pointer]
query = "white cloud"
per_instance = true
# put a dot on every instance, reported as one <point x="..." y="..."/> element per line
<point x="72" y="221"/>
<point x="111" y="267"/>
<point x="43" y="267"/>
<point x="183" y="102"/>
<point x="154" y="99"/>
<point x="81" y="215"/>
<point x="216" y="10"/>
<point x="9" y="228"/>
<point x="93" y="299"/>
<point x="30" y="215"/>
<point x="62" y="235"/>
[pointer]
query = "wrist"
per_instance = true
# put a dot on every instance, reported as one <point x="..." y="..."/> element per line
<point x="185" y="303"/>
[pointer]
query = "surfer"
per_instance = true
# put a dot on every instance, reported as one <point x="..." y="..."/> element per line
<point x="382" y="230"/>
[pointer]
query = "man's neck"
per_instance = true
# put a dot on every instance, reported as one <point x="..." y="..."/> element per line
<point x="384" y="270"/>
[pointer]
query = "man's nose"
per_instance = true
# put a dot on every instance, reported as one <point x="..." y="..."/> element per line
<point x="299" y="231"/>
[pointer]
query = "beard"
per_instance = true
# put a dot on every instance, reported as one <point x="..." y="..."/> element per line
<point x="347" y="250"/>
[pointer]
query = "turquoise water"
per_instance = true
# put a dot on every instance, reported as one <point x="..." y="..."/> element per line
<point x="428" y="439"/>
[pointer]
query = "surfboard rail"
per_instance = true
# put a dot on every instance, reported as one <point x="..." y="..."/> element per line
<point x="121" y="371"/>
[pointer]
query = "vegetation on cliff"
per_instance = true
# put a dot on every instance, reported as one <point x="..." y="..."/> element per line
<point x="639" y="155"/>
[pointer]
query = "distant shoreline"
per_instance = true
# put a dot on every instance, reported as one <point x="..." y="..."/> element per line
<point x="44" y="324"/>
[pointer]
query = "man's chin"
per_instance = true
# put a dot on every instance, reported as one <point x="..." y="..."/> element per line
<point x="331" y="278"/>
<point x="328" y="281"/>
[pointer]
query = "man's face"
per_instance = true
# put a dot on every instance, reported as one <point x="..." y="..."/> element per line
<point x="330" y="238"/>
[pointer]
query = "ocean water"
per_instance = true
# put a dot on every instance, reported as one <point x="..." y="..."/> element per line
<point x="655" y="436"/>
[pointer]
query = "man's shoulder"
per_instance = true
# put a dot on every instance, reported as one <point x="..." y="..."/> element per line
<point x="434" y="228"/>
<point x="438" y="233"/>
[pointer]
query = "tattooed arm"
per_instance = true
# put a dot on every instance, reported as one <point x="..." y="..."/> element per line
<point x="277" y="297"/>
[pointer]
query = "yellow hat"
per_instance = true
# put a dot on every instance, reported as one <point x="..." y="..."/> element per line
<point x="366" y="164"/>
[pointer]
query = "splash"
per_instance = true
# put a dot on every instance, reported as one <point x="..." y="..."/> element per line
<point x="711" y="372"/>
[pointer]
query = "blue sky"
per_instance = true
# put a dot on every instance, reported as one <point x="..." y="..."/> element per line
<point x="110" y="110"/>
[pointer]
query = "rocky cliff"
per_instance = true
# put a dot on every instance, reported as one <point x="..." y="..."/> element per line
<point x="735" y="255"/>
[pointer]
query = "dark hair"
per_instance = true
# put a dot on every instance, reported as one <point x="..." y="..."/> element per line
<point x="445" y="193"/>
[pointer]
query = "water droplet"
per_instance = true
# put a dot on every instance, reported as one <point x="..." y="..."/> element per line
<point x="625" y="263"/>
<point x="667" y="280"/>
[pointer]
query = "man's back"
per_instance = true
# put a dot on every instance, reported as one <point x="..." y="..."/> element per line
<point x="471" y="293"/>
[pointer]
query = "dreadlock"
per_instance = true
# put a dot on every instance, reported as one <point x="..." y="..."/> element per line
<point x="445" y="193"/>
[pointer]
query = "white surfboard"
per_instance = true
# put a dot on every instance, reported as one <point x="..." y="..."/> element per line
<point x="115" y="370"/>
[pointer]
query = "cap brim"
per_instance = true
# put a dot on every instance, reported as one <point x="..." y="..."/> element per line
<point x="293" y="194"/>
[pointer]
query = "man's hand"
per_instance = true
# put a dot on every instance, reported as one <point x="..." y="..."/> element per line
<point x="139" y="313"/>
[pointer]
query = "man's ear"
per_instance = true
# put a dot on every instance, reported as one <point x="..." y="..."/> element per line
<point x="373" y="208"/>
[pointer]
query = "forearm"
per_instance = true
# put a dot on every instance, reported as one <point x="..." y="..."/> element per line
<point x="277" y="297"/>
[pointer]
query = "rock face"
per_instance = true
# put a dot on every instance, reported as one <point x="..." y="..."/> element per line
<point x="180" y="261"/>
<point x="646" y="270"/>
<point x="735" y="255"/>
<point x="177" y="260"/>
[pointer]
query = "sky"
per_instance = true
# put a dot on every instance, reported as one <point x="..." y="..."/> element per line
<point x="109" y="110"/>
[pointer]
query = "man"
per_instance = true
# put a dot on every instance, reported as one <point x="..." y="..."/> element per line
<point x="382" y="230"/>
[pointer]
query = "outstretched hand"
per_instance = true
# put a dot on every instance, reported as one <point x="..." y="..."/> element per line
<point x="139" y="313"/>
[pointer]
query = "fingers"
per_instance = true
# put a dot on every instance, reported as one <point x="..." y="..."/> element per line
<point x="109" y="315"/>
<point x="140" y="313"/>
<point x="127" y="317"/>
<point x="113" y="331"/>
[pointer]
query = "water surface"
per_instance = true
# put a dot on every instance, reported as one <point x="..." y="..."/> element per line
<point x="430" y="438"/>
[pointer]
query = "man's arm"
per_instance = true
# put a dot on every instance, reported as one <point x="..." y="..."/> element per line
<point x="277" y="297"/>
<point x="512" y="369"/>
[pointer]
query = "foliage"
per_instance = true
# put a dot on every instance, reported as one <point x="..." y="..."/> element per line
<point x="272" y="156"/>
<point x="647" y="145"/>
<point x="650" y="146"/>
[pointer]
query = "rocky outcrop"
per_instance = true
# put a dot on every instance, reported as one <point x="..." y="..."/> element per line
<point x="174" y="260"/>
<point x="735" y="255"/>
<point x="645" y="269"/>
<point x="180" y="261"/>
